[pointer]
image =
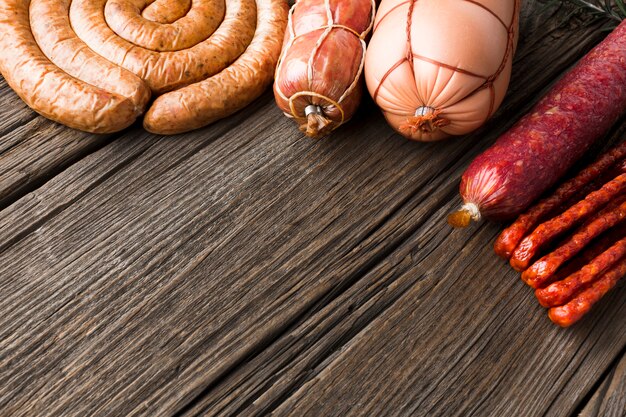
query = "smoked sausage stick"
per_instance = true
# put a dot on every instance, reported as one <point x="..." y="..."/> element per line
<point x="573" y="311"/>
<point x="541" y="271"/>
<point x="561" y="292"/>
<point x="548" y="231"/>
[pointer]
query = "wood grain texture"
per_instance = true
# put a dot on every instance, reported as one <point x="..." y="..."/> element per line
<point x="513" y="363"/>
<point x="230" y="270"/>
<point x="34" y="149"/>
<point x="609" y="400"/>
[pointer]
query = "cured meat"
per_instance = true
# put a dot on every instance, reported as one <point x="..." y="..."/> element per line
<point x="438" y="68"/>
<point x="232" y="89"/>
<point x="528" y="159"/>
<point x="542" y="270"/>
<point x="512" y="235"/>
<point x="319" y="75"/>
<point x="579" y="263"/>
<point x="575" y="309"/>
<point x="548" y="231"/>
<point x="93" y="64"/>
<point x="166" y="71"/>
<point x="49" y="90"/>
<point x="561" y="292"/>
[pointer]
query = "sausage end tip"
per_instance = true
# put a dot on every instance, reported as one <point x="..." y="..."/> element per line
<point x="463" y="217"/>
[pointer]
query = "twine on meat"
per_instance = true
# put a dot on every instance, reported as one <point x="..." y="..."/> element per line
<point x="433" y="120"/>
<point x="314" y="122"/>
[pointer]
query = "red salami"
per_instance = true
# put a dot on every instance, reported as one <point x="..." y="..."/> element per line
<point x="544" y="144"/>
<point x="579" y="185"/>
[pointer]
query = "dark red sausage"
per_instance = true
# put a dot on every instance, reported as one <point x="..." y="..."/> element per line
<point x="511" y="236"/>
<point x="544" y="144"/>
<point x="573" y="311"/>
<point x="561" y="292"/>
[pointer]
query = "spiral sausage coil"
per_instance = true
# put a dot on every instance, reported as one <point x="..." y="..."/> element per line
<point x="94" y="64"/>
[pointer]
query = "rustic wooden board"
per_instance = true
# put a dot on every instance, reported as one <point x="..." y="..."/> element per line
<point x="495" y="355"/>
<point x="33" y="149"/>
<point x="220" y="271"/>
<point x="610" y="398"/>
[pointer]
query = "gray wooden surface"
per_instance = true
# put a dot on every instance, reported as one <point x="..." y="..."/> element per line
<point x="244" y="270"/>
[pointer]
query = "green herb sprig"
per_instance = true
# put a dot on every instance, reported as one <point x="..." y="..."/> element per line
<point x="612" y="9"/>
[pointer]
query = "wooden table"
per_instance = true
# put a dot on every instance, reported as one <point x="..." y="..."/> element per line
<point x="242" y="269"/>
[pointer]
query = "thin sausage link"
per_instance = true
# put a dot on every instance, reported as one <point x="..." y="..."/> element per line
<point x="563" y="291"/>
<point x="597" y="247"/>
<point x="540" y="272"/>
<point x="546" y="232"/>
<point x="511" y="237"/>
<point x="574" y="310"/>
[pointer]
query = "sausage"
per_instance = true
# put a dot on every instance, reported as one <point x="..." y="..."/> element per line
<point x="574" y="310"/>
<point x="166" y="11"/>
<point x="124" y="18"/>
<point x="529" y="158"/>
<point x="319" y="74"/>
<point x="543" y="269"/>
<point x="548" y="231"/>
<point x="229" y="91"/>
<point x="50" y="25"/>
<point x="165" y="71"/>
<point x="511" y="236"/>
<point x="591" y="251"/>
<point x="561" y="292"/>
<point x="49" y="90"/>
<point x="441" y="68"/>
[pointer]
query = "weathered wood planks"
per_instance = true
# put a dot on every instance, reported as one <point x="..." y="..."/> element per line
<point x="610" y="398"/>
<point x="240" y="269"/>
<point x="33" y="149"/>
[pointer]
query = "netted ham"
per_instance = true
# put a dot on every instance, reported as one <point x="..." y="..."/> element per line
<point x="319" y="75"/>
<point x="438" y="68"/>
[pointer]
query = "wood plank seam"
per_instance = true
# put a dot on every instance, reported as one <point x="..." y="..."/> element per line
<point x="600" y="387"/>
<point x="12" y="126"/>
<point x="19" y="235"/>
<point x="325" y="360"/>
<point x="320" y="303"/>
